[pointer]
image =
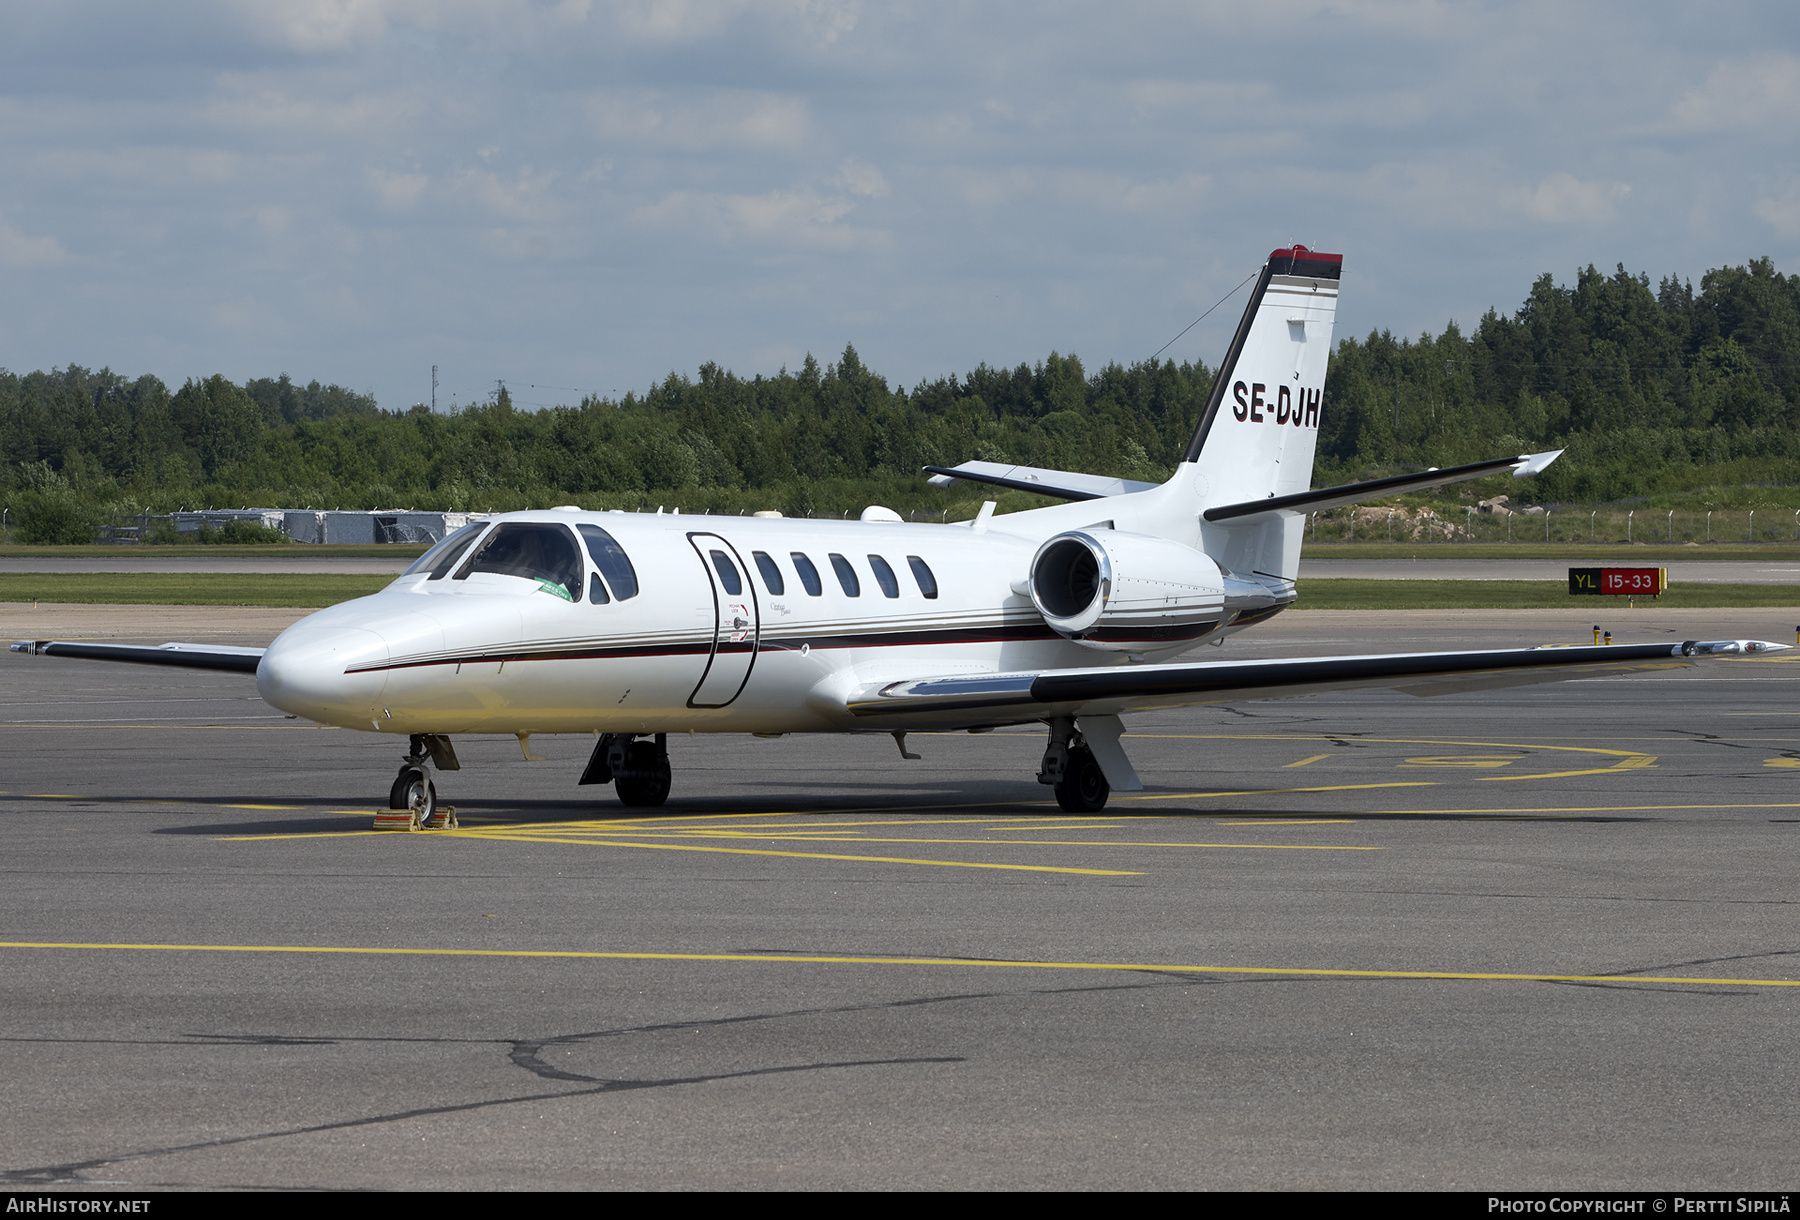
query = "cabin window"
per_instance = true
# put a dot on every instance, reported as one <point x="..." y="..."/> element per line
<point x="884" y="576"/>
<point x="533" y="550"/>
<point x="809" y="575"/>
<point x="728" y="573"/>
<point x="596" y="590"/>
<point x="922" y="573"/>
<point x="442" y="557"/>
<point x="771" y="573"/>
<point x="846" y="576"/>
<point x="613" y="562"/>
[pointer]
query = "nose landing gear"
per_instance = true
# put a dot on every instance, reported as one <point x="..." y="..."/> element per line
<point x="412" y="801"/>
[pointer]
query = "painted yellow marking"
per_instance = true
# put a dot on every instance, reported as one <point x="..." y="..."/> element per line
<point x="1292" y="822"/>
<point x="259" y="806"/>
<point x="1631" y="762"/>
<point x="1188" y="796"/>
<point x="55" y="796"/>
<point x="821" y="959"/>
<point x="1306" y="762"/>
<point x="1009" y="842"/>
<point x="793" y="855"/>
<point x="1376" y="813"/>
<point x="1461" y="760"/>
<point x="1781" y="762"/>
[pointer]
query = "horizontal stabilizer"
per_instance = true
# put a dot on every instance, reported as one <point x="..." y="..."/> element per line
<point x="1062" y="484"/>
<point x="974" y="698"/>
<point x="184" y="656"/>
<point x="1376" y="489"/>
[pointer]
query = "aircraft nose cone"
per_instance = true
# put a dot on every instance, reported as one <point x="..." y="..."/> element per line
<point x="315" y="672"/>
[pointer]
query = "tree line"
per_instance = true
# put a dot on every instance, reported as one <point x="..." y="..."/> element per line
<point x="1664" y="392"/>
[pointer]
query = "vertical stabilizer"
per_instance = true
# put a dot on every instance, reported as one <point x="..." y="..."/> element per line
<point x="1261" y="424"/>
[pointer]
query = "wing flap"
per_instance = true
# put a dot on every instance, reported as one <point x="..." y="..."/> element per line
<point x="183" y="656"/>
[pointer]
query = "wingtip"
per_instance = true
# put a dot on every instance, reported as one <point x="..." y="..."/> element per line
<point x="1727" y="648"/>
<point x="1534" y="463"/>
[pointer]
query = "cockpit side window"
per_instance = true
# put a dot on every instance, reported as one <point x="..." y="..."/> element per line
<point x="611" y="559"/>
<point x="540" y="551"/>
<point x="442" y="557"/>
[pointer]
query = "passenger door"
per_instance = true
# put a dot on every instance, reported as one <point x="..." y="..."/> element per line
<point x="737" y="622"/>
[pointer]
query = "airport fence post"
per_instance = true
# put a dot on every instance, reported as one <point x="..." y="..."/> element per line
<point x="1628" y="517"/>
<point x="1391" y="525"/>
<point x="1591" y="525"/>
<point x="1709" y="525"/>
<point x="1672" y="523"/>
<point x="1547" y="524"/>
<point x="1753" y="525"/>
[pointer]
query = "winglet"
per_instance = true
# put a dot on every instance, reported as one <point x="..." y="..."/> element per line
<point x="1534" y="463"/>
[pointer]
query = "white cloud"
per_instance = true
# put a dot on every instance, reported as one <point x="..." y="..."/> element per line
<point x="396" y="192"/>
<point x="318" y="25"/>
<point x="800" y="218"/>
<point x="862" y="179"/>
<point x="1563" y="199"/>
<point x="1755" y="92"/>
<point x="716" y="120"/>
<point x="1782" y="212"/>
<point x="21" y="250"/>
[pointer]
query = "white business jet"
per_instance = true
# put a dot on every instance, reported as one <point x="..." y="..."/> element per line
<point x="633" y="626"/>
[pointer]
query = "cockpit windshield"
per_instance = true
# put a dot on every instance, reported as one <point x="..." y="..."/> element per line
<point x="442" y="557"/>
<point x="540" y="551"/>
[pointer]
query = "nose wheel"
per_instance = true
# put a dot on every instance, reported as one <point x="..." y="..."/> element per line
<point x="414" y="790"/>
<point x="412" y="801"/>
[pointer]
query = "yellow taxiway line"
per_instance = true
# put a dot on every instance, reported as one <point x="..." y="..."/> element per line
<point x="818" y="959"/>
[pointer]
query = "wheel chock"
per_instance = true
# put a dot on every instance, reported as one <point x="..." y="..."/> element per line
<point x="444" y="818"/>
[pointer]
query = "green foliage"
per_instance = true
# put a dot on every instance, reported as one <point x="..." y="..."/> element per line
<point x="52" y="518"/>
<point x="1653" y="393"/>
<point x="242" y="533"/>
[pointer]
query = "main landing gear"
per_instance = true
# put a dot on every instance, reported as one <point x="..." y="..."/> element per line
<point x="1070" y="766"/>
<point x="638" y="770"/>
<point x="412" y="801"/>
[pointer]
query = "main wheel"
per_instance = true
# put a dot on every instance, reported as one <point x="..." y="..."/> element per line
<point x="648" y="784"/>
<point x="413" y="790"/>
<point x="1083" y="788"/>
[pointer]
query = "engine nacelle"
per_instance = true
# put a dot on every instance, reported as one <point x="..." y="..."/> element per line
<point x="1123" y="592"/>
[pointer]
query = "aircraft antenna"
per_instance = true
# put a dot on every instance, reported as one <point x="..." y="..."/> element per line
<point x="1190" y="326"/>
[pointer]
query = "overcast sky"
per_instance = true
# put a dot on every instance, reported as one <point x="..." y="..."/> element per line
<point x="581" y="197"/>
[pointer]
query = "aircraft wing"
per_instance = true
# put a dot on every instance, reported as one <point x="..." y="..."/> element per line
<point x="972" y="699"/>
<point x="184" y="656"/>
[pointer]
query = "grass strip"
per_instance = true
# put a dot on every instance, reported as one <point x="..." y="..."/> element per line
<point x="1522" y="595"/>
<point x="380" y="550"/>
<point x="1576" y="554"/>
<point x="188" y="588"/>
